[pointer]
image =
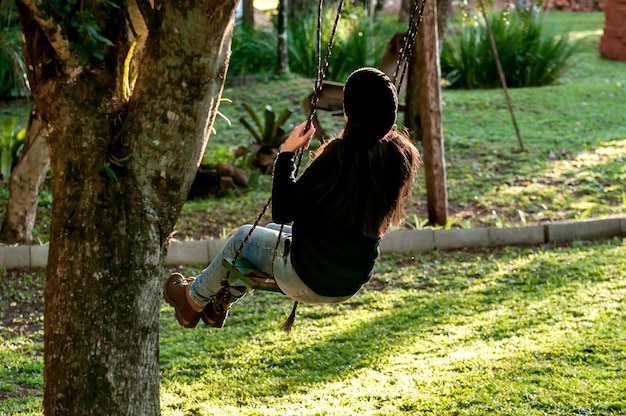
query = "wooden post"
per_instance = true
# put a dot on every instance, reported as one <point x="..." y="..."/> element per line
<point x="423" y="115"/>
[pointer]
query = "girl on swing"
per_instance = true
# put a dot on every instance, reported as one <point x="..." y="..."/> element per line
<point x="340" y="208"/>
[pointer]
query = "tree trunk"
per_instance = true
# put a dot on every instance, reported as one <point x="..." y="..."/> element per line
<point x="282" y="65"/>
<point x="423" y="115"/>
<point x="248" y="12"/>
<point x="121" y="168"/>
<point x="25" y="183"/>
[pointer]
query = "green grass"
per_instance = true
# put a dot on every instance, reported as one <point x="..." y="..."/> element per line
<point x="516" y="331"/>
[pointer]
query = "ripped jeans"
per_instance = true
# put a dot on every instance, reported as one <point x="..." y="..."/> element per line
<point x="259" y="251"/>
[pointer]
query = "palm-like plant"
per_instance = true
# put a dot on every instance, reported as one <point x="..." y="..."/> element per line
<point x="267" y="133"/>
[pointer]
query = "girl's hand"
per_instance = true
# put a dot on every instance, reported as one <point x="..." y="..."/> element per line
<point x="298" y="138"/>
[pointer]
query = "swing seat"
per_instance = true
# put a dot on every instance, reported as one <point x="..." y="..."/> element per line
<point x="251" y="276"/>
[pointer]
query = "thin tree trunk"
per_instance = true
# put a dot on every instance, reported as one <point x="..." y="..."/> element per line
<point x="25" y="183"/>
<point x="248" y="12"/>
<point x="424" y="116"/>
<point x="282" y="65"/>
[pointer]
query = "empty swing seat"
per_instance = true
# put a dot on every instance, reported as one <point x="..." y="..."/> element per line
<point x="251" y="276"/>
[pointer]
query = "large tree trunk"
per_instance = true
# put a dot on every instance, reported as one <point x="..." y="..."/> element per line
<point x="25" y="183"/>
<point x="121" y="168"/>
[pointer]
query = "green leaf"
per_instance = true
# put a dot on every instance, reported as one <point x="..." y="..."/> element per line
<point x="255" y="118"/>
<point x="251" y="129"/>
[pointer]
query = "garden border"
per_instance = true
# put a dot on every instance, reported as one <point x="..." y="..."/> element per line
<point x="395" y="242"/>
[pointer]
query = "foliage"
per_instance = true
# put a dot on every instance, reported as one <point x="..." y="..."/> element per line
<point x="513" y="331"/>
<point x="253" y="51"/>
<point x="12" y="66"/>
<point x="530" y="52"/>
<point x="270" y="132"/>
<point x="80" y="24"/>
<point x="356" y="44"/>
<point x="11" y="145"/>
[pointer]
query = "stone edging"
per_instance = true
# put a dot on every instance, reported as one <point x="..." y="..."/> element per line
<point x="400" y="241"/>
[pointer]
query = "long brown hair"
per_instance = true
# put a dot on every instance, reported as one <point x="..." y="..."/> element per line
<point x="375" y="179"/>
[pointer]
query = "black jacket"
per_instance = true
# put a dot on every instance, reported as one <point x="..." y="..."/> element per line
<point x="330" y="257"/>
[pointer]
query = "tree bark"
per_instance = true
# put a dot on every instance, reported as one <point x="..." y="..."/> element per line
<point x="423" y="116"/>
<point x="248" y="12"/>
<point x="25" y="183"/>
<point x="282" y="64"/>
<point x="121" y="168"/>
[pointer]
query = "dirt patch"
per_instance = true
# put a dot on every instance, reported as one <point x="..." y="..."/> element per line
<point x="21" y="301"/>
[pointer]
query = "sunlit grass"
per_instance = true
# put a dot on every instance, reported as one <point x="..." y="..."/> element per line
<point x="514" y="331"/>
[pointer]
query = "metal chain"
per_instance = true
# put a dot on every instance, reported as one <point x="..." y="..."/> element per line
<point x="321" y="74"/>
<point x="409" y="40"/>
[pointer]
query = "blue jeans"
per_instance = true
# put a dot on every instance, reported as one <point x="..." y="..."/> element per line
<point x="259" y="251"/>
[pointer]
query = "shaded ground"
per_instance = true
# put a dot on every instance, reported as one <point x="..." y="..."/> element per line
<point x="21" y="301"/>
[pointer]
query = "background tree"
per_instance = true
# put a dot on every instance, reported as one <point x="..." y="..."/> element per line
<point x="128" y="91"/>
<point x="282" y="64"/>
<point x="423" y="115"/>
<point x="247" y="7"/>
<point x="25" y="183"/>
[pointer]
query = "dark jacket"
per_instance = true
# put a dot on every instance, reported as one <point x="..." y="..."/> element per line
<point x="331" y="257"/>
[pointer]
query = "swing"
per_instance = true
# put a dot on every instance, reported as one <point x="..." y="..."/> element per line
<point x="250" y="275"/>
<point x="241" y="268"/>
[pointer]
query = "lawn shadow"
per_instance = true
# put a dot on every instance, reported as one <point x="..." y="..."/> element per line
<point x="440" y="309"/>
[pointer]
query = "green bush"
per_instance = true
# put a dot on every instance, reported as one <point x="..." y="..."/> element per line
<point x="530" y="52"/>
<point x="254" y="51"/>
<point x="12" y="66"/>
<point x="11" y="145"/>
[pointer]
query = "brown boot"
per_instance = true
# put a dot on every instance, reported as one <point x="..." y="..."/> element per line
<point x="212" y="317"/>
<point x="176" y="293"/>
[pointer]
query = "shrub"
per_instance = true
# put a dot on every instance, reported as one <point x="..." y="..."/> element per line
<point x="253" y="50"/>
<point x="11" y="145"/>
<point x="356" y="45"/>
<point x="530" y="52"/>
<point x="12" y="66"/>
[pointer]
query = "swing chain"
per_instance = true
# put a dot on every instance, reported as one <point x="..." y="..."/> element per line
<point x="409" y="39"/>
<point x="322" y="70"/>
<point x="222" y="298"/>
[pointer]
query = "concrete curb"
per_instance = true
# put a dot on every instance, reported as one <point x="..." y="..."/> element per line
<point x="398" y="242"/>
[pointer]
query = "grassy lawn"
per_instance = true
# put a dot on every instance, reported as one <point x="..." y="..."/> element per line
<point x="517" y="331"/>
